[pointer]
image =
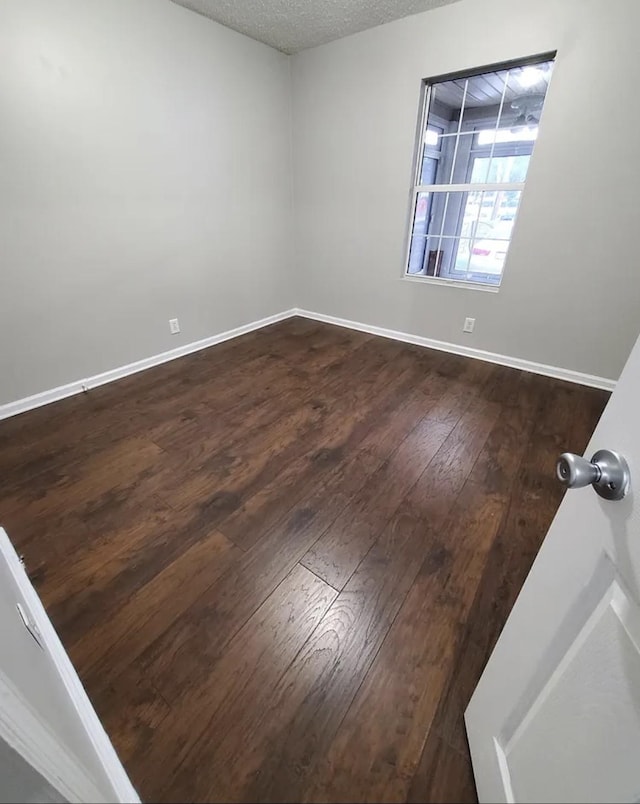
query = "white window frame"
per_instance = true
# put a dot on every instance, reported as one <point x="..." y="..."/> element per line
<point x="418" y="188"/>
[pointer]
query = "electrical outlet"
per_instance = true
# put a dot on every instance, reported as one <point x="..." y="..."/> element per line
<point x="174" y="326"/>
<point x="469" y="324"/>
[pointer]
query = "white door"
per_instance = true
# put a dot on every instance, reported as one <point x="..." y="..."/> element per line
<point x="46" y="720"/>
<point x="556" y="714"/>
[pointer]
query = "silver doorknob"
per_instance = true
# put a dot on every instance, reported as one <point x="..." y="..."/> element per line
<point x="607" y="472"/>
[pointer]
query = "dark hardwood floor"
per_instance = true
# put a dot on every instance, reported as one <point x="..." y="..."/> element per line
<point x="280" y="564"/>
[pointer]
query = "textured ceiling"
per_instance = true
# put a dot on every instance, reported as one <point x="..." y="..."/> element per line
<point x="292" y="25"/>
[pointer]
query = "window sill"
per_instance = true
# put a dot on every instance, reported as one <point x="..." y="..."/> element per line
<point x="452" y="283"/>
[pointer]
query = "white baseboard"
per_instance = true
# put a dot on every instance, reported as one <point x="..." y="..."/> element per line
<point x="466" y="351"/>
<point x="63" y="391"/>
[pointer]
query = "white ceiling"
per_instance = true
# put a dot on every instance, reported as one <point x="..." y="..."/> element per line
<point x="292" y="25"/>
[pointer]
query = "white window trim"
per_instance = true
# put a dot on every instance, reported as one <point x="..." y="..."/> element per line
<point x="485" y="287"/>
<point x="474" y="187"/>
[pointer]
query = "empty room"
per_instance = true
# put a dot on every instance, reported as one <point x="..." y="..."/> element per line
<point x="318" y="367"/>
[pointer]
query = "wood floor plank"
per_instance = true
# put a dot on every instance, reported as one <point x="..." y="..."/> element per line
<point x="113" y="467"/>
<point x="516" y="543"/>
<point x="179" y="656"/>
<point x="222" y="480"/>
<point x="278" y="549"/>
<point x="225" y="407"/>
<point x="444" y="776"/>
<point x="291" y="761"/>
<point x="163" y="519"/>
<point x="131" y="711"/>
<point x="241" y="683"/>
<point x="339" y="550"/>
<point x="336" y="554"/>
<point x="400" y="693"/>
<point x="134" y="624"/>
<point x="498" y="464"/>
<point x="153" y="548"/>
<point x="79" y="556"/>
<point x="268" y="759"/>
<point x="402" y="397"/>
<point x="264" y="389"/>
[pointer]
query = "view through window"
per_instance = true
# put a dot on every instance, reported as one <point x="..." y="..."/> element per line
<point x="475" y="145"/>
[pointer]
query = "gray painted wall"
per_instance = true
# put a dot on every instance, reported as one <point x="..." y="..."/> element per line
<point x="571" y="292"/>
<point x="145" y="174"/>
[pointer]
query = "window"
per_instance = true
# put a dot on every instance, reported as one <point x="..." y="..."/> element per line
<point x="476" y="141"/>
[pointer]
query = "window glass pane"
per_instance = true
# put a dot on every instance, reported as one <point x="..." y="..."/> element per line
<point x="429" y="170"/>
<point x="488" y="136"/>
<point x="456" y="156"/>
<point x="421" y="214"/>
<point x="471" y="213"/>
<point x="498" y="209"/>
<point x="508" y="169"/>
<point x="525" y="96"/>
<point x="432" y="137"/>
<point x="485" y="100"/>
<point x="461" y="259"/>
<point x="425" y="256"/>
<point x="447" y="100"/>
<point x="443" y="115"/>
<point x="433" y="257"/>
<point x="487" y="259"/>
<point x="440" y="219"/>
<point x="416" y="255"/>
